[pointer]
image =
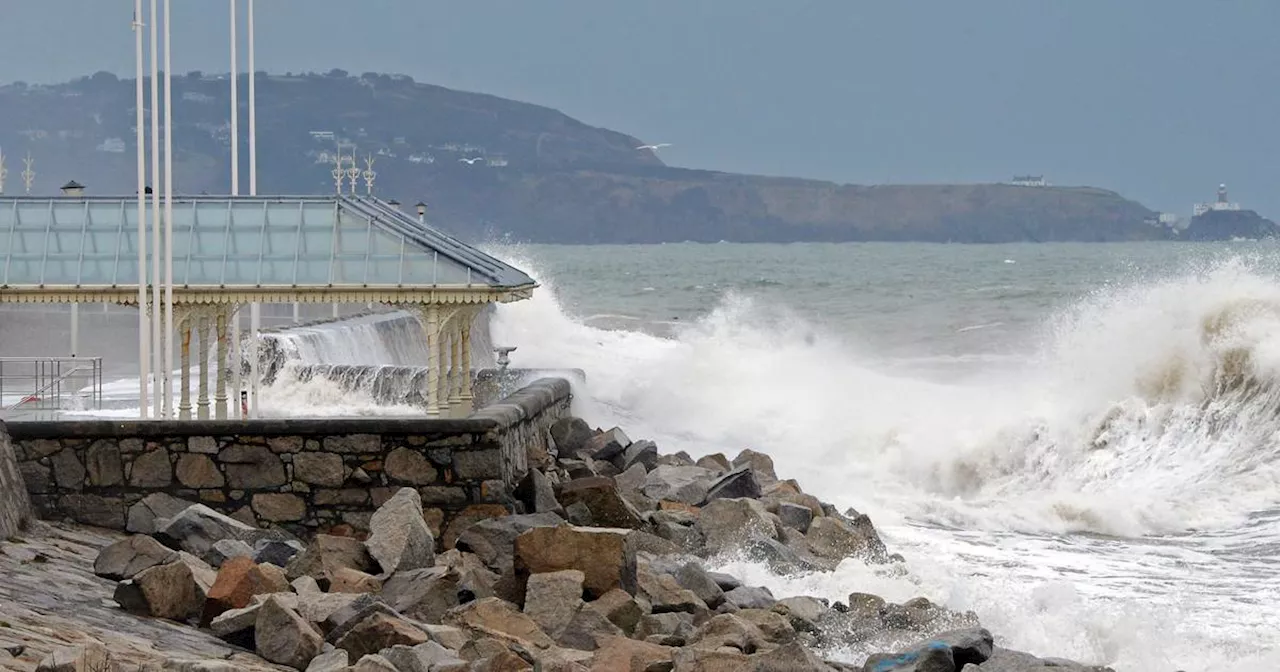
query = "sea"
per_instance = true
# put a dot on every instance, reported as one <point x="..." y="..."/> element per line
<point x="1078" y="442"/>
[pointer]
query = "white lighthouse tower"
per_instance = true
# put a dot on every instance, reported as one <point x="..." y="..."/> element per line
<point x="1221" y="204"/>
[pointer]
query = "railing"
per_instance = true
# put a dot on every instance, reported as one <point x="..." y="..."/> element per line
<point x="50" y="383"/>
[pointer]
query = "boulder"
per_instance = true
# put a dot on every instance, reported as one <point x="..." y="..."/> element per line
<point x="578" y="468"/>
<point x="276" y="552"/>
<point x="621" y="609"/>
<point x="708" y="660"/>
<point x="795" y="516"/>
<point x="692" y="576"/>
<point x="537" y="494"/>
<point x="728" y="630"/>
<point x="664" y="593"/>
<point x="931" y="657"/>
<point x="552" y="598"/>
<point x="399" y="538"/>
<point x="423" y="594"/>
<point x="238" y="581"/>
<point x="156" y="506"/>
<point x="570" y="435"/>
<point x="968" y="646"/>
<point x="793" y="657"/>
<point x="619" y="654"/>
<point x="642" y="453"/>
<point x="773" y="626"/>
<point x="680" y="459"/>
<point x="379" y="631"/>
<point x="601" y="497"/>
<point x="90" y="657"/>
<point x="780" y="558"/>
<point x="174" y="590"/>
<point x="741" y="482"/>
<point x="601" y="554"/>
<point x="715" y="462"/>
<point x="326" y="555"/>
<point x="836" y="538"/>
<point x="197" y="528"/>
<point x="500" y="619"/>
<point x="234" y="623"/>
<point x="285" y="638"/>
<point x="333" y="661"/>
<point x="126" y="558"/>
<point x="802" y="612"/>
<point x="225" y="549"/>
<point x="750" y="597"/>
<point x="727" y="523"/>
<point x="760" y="463"/>
<point x="347" y="580"/>
<point x="686" y="484"/>
<point x="606" y="445"/>
<point x="373" y="663"/>
<point x="584" y="629"/>
<point x="493" y="540"/>
<point x="725" y="581"/>
<point x="428" y="657"/>
<point x="356" y="610"/>
<point x="319" y="607"/>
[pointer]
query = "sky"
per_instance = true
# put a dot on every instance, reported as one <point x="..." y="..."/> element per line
<point x="1160" y="100"/>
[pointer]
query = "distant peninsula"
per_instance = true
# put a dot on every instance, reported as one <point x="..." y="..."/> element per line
<point x="496" y="168"/>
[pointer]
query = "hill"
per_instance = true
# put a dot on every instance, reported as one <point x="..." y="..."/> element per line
<point x="1230" y="225"/>
<point x="533" y="174"/>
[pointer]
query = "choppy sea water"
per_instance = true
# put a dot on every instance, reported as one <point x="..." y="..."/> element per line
<point x="1081" y="443"/>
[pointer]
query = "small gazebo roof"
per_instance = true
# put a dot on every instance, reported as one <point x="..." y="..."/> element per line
<point x="228" y="243"/>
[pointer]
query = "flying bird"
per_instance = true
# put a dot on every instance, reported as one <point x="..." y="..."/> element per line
<point x="471" y="161"/>
<point x="660" y="145"/>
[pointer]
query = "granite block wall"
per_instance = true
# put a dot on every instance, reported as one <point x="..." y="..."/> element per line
<point x="15" y="507"/>
<point x="300" y="474"/>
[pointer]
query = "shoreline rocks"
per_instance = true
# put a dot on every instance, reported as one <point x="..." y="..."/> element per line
<point x="602" y="566"/>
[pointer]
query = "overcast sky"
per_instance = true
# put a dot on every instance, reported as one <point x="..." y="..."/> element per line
<point x="1158" y="99"/>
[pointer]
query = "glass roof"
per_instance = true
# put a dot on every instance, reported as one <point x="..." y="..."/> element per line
<point x="238" y="241"/>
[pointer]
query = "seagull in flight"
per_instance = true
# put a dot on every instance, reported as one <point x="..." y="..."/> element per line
<point x="660" y="145"/>
<point x="471" y="161"/>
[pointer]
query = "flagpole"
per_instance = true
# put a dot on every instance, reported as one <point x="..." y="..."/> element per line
<point x="144" y="322"/>
<point x="168" y="202"/>
<point x="235" y="107"/>
<point x="255" y="310"/>
<point x="158" y="337"/>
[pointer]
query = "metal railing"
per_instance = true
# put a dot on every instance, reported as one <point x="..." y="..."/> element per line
<point x="50" y="383"/>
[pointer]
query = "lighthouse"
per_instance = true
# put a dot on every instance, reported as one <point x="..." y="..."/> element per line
<point x="1221" y="204"/>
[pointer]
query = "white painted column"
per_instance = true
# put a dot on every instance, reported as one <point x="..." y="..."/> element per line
<point x="467" y="396"/>
<point x="202" y="400"/>
<point x="75" y="336"/>
<point x="297" y="313"/>
<point x="446" y="371"/>
<point x="433" y="360"/>
<point x="237" y="361"/>
<point x="455" y="368"/>
<point x="220" y="396"/>
<point x="184" y="395"/>
<point x="335" y="310"/>
<point x="255" y="324"/>
<point x="161" y="405"/>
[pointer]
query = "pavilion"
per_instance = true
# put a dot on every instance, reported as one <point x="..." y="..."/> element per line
<point x="230" y="251"/>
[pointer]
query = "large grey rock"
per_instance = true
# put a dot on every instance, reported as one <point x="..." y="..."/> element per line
<point x="197" y="528"/>
<point x="333" y="661"/>
<point x="678" y="484"/>
<point x="225" y="549"/>
<point x="174" y="590"/>
<point x="537" y="494"/>
<point x="570" y="435"/>
<point x="606" y="506"/>
<point x="285" y="638"/>
<point x="750" y="597"/>
<point x="326" y="555"/>
<point x="492" y="539"/>
<point x="692" y="576"/>
<point x="423" y="594"/>
<point x="426" y="657"/>
<point x="585" y="629"/>
<point x="836" y="538"/>
<point x="399" y="538"/>
<point x="793" y="657"/>
<point x="727" y="523"/>
<point x="760" y="463"/>
<point x="126" y="558"/>
<point x="795" y="516"/>
<point x="931" y="657"/>
<point x="643" y="453"/>
<point x="606" y="445"/>
<point x="803" y="612"/>
<point x="970" y="645"/>
<point x="372" y="663"/>
<point x="552" y="598"/>
<point x="155" y="506"/>
<point x="276" y="552"/>
<point x="741" y="482"/>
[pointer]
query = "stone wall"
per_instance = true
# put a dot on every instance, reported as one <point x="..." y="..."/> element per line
<point x="15" y="507"/>
<point x="301" y="474"/>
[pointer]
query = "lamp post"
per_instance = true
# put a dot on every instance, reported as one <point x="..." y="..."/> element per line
<point x="144" y="318"/>
<point x="422" y="212"/>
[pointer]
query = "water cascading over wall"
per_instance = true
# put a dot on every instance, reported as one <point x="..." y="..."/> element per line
<point x="382" y="355"/>
<point x="15" y="505"/>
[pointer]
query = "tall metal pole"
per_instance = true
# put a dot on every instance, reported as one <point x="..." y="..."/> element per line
<point x="255" y="311"/>
<point x="235" y="106"/>
<point x="157" y="334"/>
<point x="144" y="321"/>
<point x="168" y="205"/>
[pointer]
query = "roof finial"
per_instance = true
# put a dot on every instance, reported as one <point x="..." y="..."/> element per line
<point x="28" y="175"/>
<point x="369" y="174"/>
<point x="353" y="173"/>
